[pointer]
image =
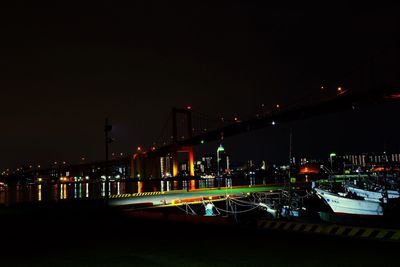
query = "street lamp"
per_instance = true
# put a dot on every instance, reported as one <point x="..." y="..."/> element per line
<point x="107" y="130"/>
<point x="219" y="149"/>
<point x="330" y="157"/>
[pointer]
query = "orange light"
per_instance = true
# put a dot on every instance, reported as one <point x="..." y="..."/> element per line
<point x="378" y="169"/>
<point x="339" y="89"/>
<point x="139" y="148"/>
<point x="140" y="187"/>
<point x="307" y="169"/>
<point x="395" y="96"/>
<point x="192" y="185"/>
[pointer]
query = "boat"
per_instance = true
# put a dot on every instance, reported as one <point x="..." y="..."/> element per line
<point x="342" y="204"/>
<point x="378" y="195"/>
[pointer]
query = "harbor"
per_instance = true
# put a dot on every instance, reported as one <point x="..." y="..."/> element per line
<point x="196" y="134"/>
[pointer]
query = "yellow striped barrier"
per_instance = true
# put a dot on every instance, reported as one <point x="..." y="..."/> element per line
<point x="137" y="194"/>
<point x="332" y="230"/>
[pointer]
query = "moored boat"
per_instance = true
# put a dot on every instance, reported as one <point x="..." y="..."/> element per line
<point x="342" y="205"/>
<point x="377" y="195"/>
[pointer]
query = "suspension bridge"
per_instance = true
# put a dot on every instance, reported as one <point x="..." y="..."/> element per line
<point x="186" y="128"/>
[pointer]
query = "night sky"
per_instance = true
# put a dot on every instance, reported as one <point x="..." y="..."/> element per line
<point x="65" y="69"/>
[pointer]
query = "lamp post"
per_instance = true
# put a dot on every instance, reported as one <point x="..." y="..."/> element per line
<point x="330" y="157"/>
<point x="219" y="149"/>
<point x="107" y="129"/>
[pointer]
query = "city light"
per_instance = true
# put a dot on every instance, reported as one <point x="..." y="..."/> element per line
<point x="219" y="149"/>
<point x="340" y="90"/>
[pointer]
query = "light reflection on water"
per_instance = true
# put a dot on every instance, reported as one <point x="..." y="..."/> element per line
<point x="139" y="187"/>
<point x="87" y="190"/>
<point x="80" y="190"/>
<point x="40" y="192"/>
<point x="95" y="190"/>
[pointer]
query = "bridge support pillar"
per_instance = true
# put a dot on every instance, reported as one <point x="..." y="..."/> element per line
<point x="175" y="163"/>
<point x="191" y="162"/>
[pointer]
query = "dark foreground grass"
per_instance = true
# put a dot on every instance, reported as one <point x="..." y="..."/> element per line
<point x="89" y="236"/>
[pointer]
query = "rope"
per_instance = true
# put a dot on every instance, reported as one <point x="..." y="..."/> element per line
<point x="193" y="212"/>
<point x="237" y="212"/>
<point x="187" y="206"/>
<point x="246" y="203"/>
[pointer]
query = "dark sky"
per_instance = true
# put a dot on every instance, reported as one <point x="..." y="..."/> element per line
<point x="65" y="68"/>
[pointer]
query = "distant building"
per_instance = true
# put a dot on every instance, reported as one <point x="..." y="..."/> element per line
<point x="369" y="159"/>
<point x="166" y="166"/>
<point x="367" y="162"/>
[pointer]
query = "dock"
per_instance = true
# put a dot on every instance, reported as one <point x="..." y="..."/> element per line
<point x="179" y="196"/>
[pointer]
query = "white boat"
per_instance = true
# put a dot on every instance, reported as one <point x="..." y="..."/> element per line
<point x="376" y="196"/>
<point x="347" y="206"/>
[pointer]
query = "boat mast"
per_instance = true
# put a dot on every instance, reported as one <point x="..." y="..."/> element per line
<point x="289" y="172"/>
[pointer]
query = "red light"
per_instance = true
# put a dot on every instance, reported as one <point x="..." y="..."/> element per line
<point x="139" y="148"/>
<point x="189" y="107"/>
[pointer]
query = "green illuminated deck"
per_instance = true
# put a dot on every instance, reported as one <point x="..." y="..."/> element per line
<point x="170" y="196"/>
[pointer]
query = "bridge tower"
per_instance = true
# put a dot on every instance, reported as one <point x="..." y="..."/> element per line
<point x="182" y="117"/>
